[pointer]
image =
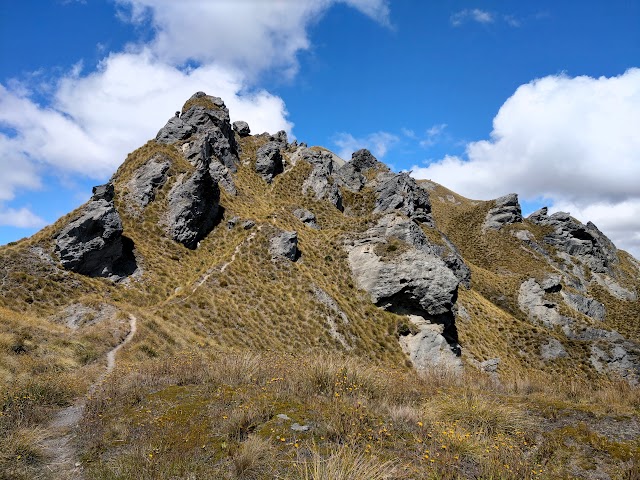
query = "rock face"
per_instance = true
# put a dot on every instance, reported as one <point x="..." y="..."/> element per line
<point x="400" y="192"/>
<point x="306" y="217"/>
<point x="175" y="130"/>
<point x="284" y="245"/>
<point x="552" y="350"/>
<point x="531" y="300"/>
<point x="394" y="263"/>
<point x="241" y="128"/>
<point x="428" y="349"/>
<point x="193" y="208"/>
<point x="207" y="137"/>
<point x="618" y="359"/>
<point x="321" y="181"/>
<point x="588" y="306"/>
<point x="147" y="180"/>
<point x="93" y="243"/>
<point x="505" y="212"/>
<point x="585" y="242"/>
<point x="610" y="351"/>
<point x="269" y="161"/>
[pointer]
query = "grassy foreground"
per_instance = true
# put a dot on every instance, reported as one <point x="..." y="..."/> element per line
<point x="230" y="415"/>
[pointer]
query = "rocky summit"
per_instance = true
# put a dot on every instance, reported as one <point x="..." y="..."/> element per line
<point x="265" y="308"/>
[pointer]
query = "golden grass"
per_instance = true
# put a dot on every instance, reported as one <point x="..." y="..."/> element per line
<point x="257" y="343"/>
<point x="167" y="416"/>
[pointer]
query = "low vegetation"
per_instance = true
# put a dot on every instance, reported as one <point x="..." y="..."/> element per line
<point x="242" y="372"/>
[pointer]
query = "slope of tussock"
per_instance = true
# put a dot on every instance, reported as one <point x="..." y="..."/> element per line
<point x="228" y="339"/>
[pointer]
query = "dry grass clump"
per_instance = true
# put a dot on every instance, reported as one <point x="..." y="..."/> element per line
<point x="479" y="413"/>
<point x="203" y="101"/>
<point x="343" y="464"/>
<point x="254" y="456"/>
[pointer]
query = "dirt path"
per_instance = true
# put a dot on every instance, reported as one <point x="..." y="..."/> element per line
<point x="60" y="447"/>
<point x="224" y="266"/>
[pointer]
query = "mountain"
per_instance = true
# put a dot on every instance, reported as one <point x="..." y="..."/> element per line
<point x="267" y="309"/>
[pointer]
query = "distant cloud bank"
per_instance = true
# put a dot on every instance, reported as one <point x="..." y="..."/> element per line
<point x="570" y="140"/>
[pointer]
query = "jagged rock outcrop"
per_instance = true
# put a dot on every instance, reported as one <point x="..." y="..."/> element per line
<point x="284" y="245"/>
<point x="192" y="208"/>
<point x="428" y="349"/>
<point x="586" y="305"/>
<point x="396" y="265"/>
<point x="351" y="175"/>
<point x="269" y="161"/>
<point x="306" y="217"/>
<point x="506" y="210"/>
<point x="585" y="242"/>
<point x="175" y="130"/>
<point x="207" y="136"/>
<point x="93" y="243"/>
<point x="241" y="128"/>
<point x="147" y="179"/>
<point x="400" y="192"/>
<point x="321" y="180"/>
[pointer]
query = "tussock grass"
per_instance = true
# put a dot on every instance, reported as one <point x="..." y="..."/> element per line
<point x="343" y="464"/>
<point x="224" y="405"/>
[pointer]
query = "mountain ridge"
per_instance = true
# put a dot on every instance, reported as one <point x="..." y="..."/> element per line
<point x="222" y="241"/>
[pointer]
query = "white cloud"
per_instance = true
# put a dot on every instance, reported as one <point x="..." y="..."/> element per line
<point x="22" y="218"/>
<point x="251" y="35"/>
<point x="572" y="140"/>
<point x="90" y="121"/>
<point x="475" y="14"/>
<point x="95" y="120"/>
<point x="378" y="143"/>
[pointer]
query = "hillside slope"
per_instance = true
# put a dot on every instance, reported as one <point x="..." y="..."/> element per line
<point x="277" y="285"/>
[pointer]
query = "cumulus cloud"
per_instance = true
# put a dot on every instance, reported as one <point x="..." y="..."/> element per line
<point x="21" y="218"/>
<point x="93" y="121"/>
<point x="378" y="143"/>
<point x="251" y="35"/>
<point x="89" y="121"/>
<point x="571" y="140"/>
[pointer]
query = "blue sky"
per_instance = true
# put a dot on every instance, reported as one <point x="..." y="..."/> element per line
<point x="537" y="97"/>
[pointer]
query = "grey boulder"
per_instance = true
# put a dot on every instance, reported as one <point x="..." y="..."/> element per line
<point x="284" y="245"/>
<point x="506" y="210"/>
<point x="147" y="179"/>
<point x="306" y="217"/>
<point x="193" y="208"/>
<point x="93" y="243"/>
<point x="269" y="161"/>
<point x="552" y="350"/>
<point x="413" y="282"/>
<point x="241" y="128"/>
